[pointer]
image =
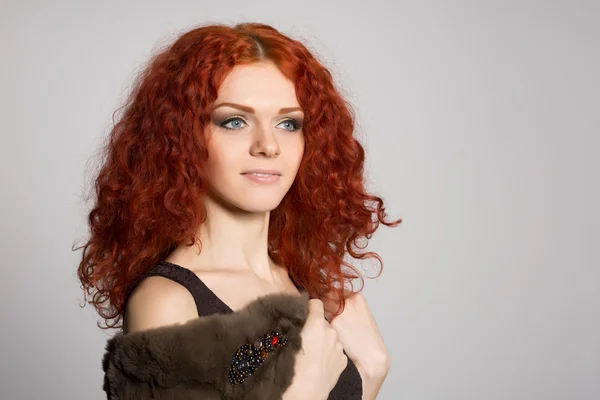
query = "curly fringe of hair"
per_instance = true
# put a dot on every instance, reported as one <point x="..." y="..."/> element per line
<point x="150" y="186"/>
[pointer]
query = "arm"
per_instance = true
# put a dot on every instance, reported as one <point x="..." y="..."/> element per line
<point x="373" y="377"/>
<point x="363" y="343"/>
<point x="194" y="358"/>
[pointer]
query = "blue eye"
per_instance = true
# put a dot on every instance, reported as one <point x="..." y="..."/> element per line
<point x="292" y="124"/>
<point x="237" y="123"/>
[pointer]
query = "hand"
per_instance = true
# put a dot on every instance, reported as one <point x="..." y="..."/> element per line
<point x="321" y="359"/>
<point x="358" y="332"/>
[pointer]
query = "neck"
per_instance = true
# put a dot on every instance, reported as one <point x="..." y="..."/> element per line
<point x="230" y="239"/>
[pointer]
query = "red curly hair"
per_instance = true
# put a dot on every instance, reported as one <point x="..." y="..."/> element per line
<point x="149" y="189"/>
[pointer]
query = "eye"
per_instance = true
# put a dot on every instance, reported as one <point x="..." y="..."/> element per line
<point x="291" y="125"/>
<point x="236" y="122"/>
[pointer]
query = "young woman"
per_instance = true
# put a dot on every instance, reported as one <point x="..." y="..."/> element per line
<point x="232" y="174"/>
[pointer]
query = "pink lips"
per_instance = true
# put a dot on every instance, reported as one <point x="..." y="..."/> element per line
<point x="262" y="178"/>
<point x="263" y="171"/>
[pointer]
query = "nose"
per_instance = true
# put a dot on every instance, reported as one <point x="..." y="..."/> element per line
<point x="264" y="143"/>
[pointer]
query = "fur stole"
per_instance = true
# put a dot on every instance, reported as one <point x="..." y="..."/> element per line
<point x="248" y="354"/>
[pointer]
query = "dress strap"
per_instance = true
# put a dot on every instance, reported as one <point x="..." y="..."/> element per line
<point x="206" y="300"/>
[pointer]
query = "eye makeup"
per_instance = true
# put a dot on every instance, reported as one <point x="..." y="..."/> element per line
<point x="236" y="119"/>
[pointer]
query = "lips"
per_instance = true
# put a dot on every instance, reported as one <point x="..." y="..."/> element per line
<point x="260" y="178"/>
<point x="262" y="171"/>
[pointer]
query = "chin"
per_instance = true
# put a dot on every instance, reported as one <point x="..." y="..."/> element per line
<point x="247" y="201"/>
<point x="259" y="208"/>
<point x="258" y="204"/>
<point x="246" y="206"/>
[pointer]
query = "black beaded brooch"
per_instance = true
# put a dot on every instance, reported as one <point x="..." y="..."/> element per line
<point x="252" y="355"/>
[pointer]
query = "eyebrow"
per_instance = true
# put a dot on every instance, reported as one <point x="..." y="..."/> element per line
<point x="251" y="110"/>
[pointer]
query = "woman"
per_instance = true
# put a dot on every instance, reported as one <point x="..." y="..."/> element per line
<point x="233" y="174"/>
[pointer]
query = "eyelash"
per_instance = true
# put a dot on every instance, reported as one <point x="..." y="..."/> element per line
<point x="297" y="125"/>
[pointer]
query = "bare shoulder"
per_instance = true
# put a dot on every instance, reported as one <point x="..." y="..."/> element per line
<point x="158" y="301"/>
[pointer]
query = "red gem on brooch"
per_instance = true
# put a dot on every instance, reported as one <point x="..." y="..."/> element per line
<point x="274" y="340"/>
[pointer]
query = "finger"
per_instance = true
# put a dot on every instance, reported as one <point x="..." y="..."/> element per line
<point x="316" y="307"/>
<point x="339" y="346"/>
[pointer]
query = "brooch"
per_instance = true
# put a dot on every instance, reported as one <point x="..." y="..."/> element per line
<point x="252" y="355"/>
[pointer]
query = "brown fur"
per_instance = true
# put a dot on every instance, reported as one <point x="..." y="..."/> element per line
<point x="191" y="360"/>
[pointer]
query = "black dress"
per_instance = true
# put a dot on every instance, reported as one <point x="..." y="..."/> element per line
<point x="348" y="386"/>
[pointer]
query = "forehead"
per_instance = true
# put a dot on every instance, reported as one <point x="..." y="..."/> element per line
<point x="259" y="85"/>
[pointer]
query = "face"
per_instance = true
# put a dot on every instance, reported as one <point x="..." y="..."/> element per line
<point x="256" y="123"/>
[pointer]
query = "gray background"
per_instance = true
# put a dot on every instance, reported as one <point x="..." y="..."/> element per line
<point x="481" y="125"/>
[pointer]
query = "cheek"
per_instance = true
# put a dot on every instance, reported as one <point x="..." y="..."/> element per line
<point x="299" y="153"/>
<point x="223" y="165"/>
<point x="223" y="152"/>
<point x="220" y="162"/>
